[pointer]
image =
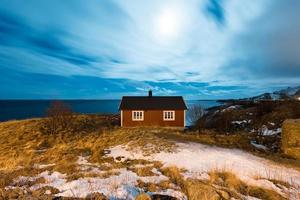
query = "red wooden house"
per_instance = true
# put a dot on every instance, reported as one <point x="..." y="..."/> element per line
<point x="164" y="111"/>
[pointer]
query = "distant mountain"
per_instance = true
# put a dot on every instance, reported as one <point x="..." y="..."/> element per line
<point x="288" y="93"/>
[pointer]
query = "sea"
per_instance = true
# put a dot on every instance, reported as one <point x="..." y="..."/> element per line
<point x="25" y="109"/>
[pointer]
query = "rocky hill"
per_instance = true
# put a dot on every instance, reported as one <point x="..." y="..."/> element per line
<point x="288" y="93"/>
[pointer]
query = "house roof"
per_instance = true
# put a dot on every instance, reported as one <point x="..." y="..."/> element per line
<point x="152" y="103"/>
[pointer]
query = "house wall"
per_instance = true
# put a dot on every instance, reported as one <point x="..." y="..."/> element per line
<point x="153" y="118"/>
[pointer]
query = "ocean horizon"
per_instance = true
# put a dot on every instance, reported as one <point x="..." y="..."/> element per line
<point x="26" y="109"/>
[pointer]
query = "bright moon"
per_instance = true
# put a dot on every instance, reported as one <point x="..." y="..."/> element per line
<point x="169" y="24"/>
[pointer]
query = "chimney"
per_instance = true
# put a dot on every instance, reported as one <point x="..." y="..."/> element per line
<point x="150" y="93"/>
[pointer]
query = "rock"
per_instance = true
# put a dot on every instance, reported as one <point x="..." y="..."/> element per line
<point x="152" y="187"/>
<point x="119" y="158"/>
<point x="16" y="193"/>
<point x="143" y="196"/>
<point x="106" y="151"/>
<point x="224" y="194"/>
<point x="2" y="193"/>
<point x="197" y="190"/>
<point x="290" y="142"/>
<point x="162" y="197"/>
<point x="96" y="196"/>
<point x="37" y="193"/>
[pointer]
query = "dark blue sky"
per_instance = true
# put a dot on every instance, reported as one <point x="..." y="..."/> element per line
<point x="202" y="49"/>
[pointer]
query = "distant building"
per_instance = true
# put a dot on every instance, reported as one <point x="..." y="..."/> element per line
<point x="162" y="111"/>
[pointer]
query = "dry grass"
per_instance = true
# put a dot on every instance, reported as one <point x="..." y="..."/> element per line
<point x="235" y="186"/>
<point x="23" y="144"/>
<point x="228" y="141"/>
<point x="106" y="174"/>
<point x="221" y="185"/>
<point x="148" y="187"/>
<point x="174" y="174"/>
<point x="144" y="171"/>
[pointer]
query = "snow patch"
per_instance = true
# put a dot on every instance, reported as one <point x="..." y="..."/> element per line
<point x="266" y="132"/>
<point x="120" y="186"/>
<point x="234" y="107"/>
<point x="259" y="146"/>
<point x="242" y="122"/>
<point x="199" y="159"/>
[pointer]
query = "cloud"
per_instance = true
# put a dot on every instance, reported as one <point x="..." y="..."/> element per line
<point x="215" y="9"/>
<point x="45" y="86"/>
<point x="223" y="48"/>
<point x="269" y="48"/>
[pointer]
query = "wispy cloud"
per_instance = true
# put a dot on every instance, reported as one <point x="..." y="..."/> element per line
<point x="214" y="49"/>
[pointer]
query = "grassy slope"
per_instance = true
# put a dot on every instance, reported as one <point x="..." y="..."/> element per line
<point x="23" y="145"/>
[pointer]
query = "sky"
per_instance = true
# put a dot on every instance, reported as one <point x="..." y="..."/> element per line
<point x="104" y="49"/>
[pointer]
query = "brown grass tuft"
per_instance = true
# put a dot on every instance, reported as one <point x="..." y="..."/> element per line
<point x="174" y="174"/>
<point x="143" y="171"/>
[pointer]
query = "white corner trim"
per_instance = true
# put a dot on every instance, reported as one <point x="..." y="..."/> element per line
<point x="121" y="118"/>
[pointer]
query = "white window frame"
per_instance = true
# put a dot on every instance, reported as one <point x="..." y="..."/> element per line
<point x="139" y="117"/>
<point x="167" y="115"/>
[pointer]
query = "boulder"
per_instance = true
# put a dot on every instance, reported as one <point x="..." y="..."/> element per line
<point x="162" y="197"/>
<point x="143" y="196"/>
<point x="224" y="194"/>
<point x="96" y="196"/>
<point x="290" y="142"/>
<point x="201" y="191"/>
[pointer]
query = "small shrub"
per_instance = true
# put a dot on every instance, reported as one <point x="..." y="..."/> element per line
<point x="223" y="122"/>
<point x="174" y="174"/>
<point x="265" y="107"/>
<point x="59" y="117"/>
<point x="195" y="112"/>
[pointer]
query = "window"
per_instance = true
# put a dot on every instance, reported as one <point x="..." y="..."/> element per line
<point x="137" y="115"/>
<point x="169" y="115"/>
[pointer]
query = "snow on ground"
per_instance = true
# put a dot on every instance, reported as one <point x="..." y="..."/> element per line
<point x="120" y="186"/>
<point x="267" y="132"/>
<point x="199" y="159"/>
<point x="241" y="122"/>
<point x="258" y="146"/>
<point x="234" y="107"/>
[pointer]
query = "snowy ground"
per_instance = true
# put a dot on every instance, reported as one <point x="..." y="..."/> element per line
<point x="122" y="185"/>
<point x="196" y="158"/>
<point x="199" y="159"/>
